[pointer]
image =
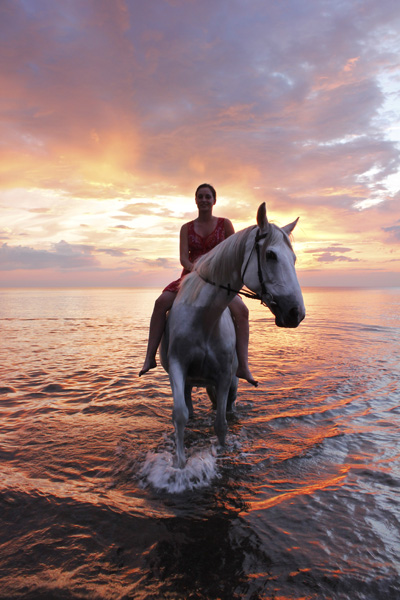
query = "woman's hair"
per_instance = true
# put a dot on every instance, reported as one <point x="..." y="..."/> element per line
<point x="214" y="193"/>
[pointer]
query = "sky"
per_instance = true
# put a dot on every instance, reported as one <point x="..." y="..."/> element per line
<point x="112" y="112"/>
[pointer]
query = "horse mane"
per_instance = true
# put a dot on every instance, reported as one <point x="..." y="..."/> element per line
<point x="218" y="264"/>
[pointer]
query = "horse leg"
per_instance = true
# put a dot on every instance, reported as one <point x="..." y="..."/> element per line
<point x="180" y="412"/>
<point x="221" y="425"/>
<point x="212" y="395"/>
<point x="232" y="394"/>
<point x="188" y="399"/>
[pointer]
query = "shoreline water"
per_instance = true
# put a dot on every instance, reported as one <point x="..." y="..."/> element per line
<point x="302" y="502"/>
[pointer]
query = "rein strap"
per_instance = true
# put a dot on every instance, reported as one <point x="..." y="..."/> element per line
<point x="230" y="290"/>
<point x="249" y="293"/>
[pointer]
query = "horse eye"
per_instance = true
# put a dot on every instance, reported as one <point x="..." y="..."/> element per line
<point x="270" y="255"/>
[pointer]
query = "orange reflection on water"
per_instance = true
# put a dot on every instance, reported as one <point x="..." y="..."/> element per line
<point x="308" y="489"/>
<point x="291" y="597"/>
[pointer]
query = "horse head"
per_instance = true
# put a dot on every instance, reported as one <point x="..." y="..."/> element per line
<point x="270" y="271"/>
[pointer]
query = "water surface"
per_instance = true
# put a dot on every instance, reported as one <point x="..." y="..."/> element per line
<point x="303" y="503"/>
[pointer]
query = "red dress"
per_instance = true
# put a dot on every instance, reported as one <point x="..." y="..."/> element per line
<point x="199" y="246"/>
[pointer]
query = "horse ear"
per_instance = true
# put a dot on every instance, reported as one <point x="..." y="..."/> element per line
<point x="289" y="228"/>
<point x="262" y="220"/>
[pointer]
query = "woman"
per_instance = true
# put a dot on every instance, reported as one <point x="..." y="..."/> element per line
<point x="196" y="238"/>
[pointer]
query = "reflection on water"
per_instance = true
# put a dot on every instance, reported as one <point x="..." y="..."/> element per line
<point x="301" y="504"/>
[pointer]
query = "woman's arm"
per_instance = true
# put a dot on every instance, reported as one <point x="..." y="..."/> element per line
<point x="229" y="230"/>
<point x="184" y="248"/>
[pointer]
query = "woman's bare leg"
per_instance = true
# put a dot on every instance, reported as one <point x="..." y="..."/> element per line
<point x="157" y="324"/>
<point x="240" y="316"/>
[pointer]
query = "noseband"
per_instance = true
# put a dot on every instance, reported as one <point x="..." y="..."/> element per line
<point x="265" y="295"/>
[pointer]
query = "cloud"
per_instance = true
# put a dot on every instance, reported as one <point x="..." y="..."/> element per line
<point x="132" y="104"/>
<point x="159" y="263"/>
<point x="141" y="208"/>
<point x="327" y="257"/>
<point x="331" y="254"/>
<point x="125" y="94"/>
<point x="40" y="211"/>
<point x="154" y="209"/>
<point x="112" y="251"/>
<point x="64" y="256"/>
<point x="394" y="230"/>
<point x="329" y="249"/>
<point x="63" y="248"/>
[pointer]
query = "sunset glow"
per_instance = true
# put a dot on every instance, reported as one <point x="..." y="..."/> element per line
<point x="113" y="112"/>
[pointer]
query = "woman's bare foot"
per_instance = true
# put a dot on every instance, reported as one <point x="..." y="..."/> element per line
<point x="245" y="374"/>
<point x="149" y="363"/>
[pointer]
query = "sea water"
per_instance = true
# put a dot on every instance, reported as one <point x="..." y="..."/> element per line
<point x="302" y="503"/>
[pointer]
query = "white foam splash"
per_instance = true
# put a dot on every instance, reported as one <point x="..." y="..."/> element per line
<point x="159" y="472"/>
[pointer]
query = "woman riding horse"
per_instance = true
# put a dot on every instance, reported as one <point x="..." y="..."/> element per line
<point x="196" y="238"/>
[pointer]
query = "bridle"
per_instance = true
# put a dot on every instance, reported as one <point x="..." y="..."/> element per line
<point x="266" y="297"/>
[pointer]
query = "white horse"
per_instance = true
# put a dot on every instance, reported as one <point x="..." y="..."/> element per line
<point x="199" y="346"/>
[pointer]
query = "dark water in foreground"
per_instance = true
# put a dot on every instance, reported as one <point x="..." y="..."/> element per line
<point x="303" y="503"/>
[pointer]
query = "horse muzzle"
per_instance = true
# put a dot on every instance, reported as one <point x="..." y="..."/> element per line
<point x="289" y="319"/>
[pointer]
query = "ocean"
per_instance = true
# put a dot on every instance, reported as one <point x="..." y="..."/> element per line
<point x="303" y="503"/>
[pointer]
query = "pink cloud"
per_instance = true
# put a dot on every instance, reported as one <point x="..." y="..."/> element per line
<point x="274" y="101"/>
<point x="170" y="92"/>
<point x="63" y="256"/>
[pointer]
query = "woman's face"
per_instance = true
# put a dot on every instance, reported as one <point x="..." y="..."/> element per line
<point x="204" y="198"/>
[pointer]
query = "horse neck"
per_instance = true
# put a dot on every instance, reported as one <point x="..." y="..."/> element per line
<point x="224" y="271"/>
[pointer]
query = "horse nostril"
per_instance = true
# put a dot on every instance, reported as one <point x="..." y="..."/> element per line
<point x="295" y="315"/>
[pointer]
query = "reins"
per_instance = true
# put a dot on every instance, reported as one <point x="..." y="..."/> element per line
<point x="248" y="293"/>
